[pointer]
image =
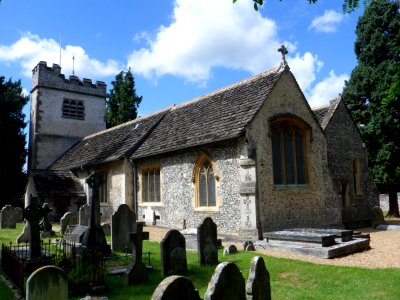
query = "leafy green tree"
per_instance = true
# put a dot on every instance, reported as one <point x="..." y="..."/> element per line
<point x="373" y="94"/>
<point x="123" y="102"/>
<point x="348" y="5"/>
<point x="12" y="151"/>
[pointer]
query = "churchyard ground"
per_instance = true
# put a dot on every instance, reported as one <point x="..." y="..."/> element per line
<point x="290" y="278"/>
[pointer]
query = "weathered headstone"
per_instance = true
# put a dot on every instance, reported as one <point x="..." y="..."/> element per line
<point x="106" y="228"/>
<point x="122" y="222"/>
<point x="8" y="218"/>
<point x="24" y="237"/>
<point x="230" y="249"/>
<point x="174" y="288"/>
<point x="377" y="216"/>
<point x="173" y="253"/>
<point x="137" y="272"/>
<point x="46" y="229"/>
<point x="258" y="284"/>
<point x="69" y="218"/>
<point x="250" y="247"/>
<point x="18" y="214"/>
<point x="84" y="215"/>
<point x="246" y="243"/>
<point x="47" y="283"/>
<point x="227" y="283"/>
<point x="207" y="242"/>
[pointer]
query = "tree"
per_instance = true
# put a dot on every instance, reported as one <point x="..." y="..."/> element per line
<point x="348" y="5"/>
<point x="123" y="102"/>
<point x="12" y="151"/>
<point x="373" y="94"/>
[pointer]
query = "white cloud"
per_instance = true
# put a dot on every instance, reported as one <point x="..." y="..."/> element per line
<point x="327" y="89"/>
<point x="30" y="49"/>
<point x="304" y="68"/>
<point x="207" y="34"/>
<point x="328" y="22"/>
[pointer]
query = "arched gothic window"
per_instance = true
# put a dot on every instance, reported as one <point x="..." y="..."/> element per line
<point x="73" y="109"/>
<point x="289" y="151"/>
<point x="205" y="177"/>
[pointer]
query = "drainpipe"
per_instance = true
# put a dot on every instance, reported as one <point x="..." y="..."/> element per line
<point x="134" y="184"/>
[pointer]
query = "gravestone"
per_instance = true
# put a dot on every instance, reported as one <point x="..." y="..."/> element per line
<point x="106" y="228"/>
<point x="84" y="215"/>
<point x="69" y="218"/>
<point x="175" y="288"/>
<point x="8" y="218"/>
<point x="377" y="216"/>
<point x="173" y="253"/>
<point x="137" y="272"/>
<point x="230" y="249"/>
<point x="75" y="233"/>
<point x="49" y="282"/>
<point x="18" y="214"/>
<point x="122" y="222"/>
<point x="250" y="247"/>
<point x="227" y="283"/>
<point x="207" y="242"/>
<point x="46" y="229"/>
<point x="24" y="237"/>
<point x="258" y="284"/>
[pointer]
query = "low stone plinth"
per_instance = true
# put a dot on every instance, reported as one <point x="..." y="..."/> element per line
<point x="324" y="243"/>
<point x="387" y="227"/>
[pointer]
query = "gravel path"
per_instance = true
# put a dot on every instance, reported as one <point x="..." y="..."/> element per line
<point x="384" y="252"/>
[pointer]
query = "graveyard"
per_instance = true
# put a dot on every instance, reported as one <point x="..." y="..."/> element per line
<point x="164" y="265"/>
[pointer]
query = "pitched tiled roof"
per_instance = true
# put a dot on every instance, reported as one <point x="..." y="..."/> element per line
<point x="56" y="184"/>
<point x="109" y="145"/>
<point x="324" y="113"/>
<point x="217" y="116"/>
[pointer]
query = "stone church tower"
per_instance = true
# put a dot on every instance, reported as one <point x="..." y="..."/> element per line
<point x="63" y="111"/>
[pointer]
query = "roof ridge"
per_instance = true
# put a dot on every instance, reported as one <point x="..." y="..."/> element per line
<point x="226" y="88"/>
<point x="138" y="119"/>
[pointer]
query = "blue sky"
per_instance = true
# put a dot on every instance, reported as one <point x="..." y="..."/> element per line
<point x="180" y="49"/>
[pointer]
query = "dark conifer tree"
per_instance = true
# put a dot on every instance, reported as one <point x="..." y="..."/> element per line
<point x="12" y="150"/>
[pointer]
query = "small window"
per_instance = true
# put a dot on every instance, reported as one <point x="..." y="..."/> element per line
<point x="205" y="182"/>
<point x="151" y="185"/>
<point x="73" y="109"/>
<point x="289" y="152"/>
<point x="103" y="192"/>
<point x="357" y="177"/>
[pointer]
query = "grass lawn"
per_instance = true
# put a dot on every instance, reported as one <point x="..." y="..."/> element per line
<point x="290" y="279"/>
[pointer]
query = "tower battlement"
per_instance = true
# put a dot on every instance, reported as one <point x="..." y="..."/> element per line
<point x="51" y="77"/>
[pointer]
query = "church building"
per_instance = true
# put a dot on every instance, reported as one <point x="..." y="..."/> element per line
<point x="253" y="156"/>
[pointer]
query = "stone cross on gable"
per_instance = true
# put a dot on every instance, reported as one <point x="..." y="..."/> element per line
<point x="283" y="51"/>
<point x="137" y="237"/>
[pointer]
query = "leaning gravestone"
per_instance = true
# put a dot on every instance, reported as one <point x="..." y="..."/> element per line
<point x="8" y="218"/>
<point x="207" y="242"/>
<point x="84" y="215"/>
<point x="227" y="283"/>
<point x="122" y="222"/>
<point x="48" y="282"/>
<point x="175" y="287"/>
<point x="173" y="253"/>
<point x="377" y="216"/>
<point x="69" y="218"/>
<point x="258" y="284"/>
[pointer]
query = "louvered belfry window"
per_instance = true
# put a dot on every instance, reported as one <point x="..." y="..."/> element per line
<point x="207" y="185"/>
<point x="73" y="109"/>
<point x="288" y="153"/>
<point x="151" y="185"/>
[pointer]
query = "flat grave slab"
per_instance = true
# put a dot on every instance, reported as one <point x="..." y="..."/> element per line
<point x="323" y="243"/>
<point x="387" y="227"/>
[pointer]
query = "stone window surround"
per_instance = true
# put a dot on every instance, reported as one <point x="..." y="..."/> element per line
<point x="75" y="113"/>
<point x="357" y="177"/>
<point x="141" y="203"/>
<point x="305" y="129"/>
<point x="202" y="157"/>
